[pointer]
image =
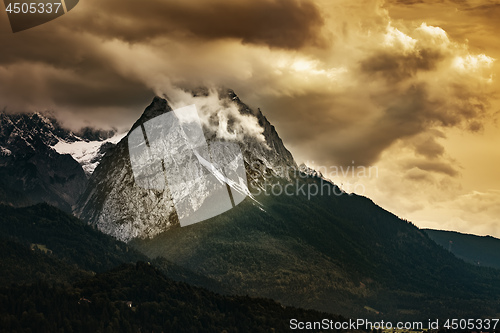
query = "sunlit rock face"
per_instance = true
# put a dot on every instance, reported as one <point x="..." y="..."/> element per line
<point x="204" y="180"/>
<point x="182" y="188"/>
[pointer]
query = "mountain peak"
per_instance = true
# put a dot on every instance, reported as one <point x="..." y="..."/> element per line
<point x="119" y="207"/>
<point x="157" y="107"/>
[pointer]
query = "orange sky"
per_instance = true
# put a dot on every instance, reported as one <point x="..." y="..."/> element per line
<point x="409" y="87"/>
<point x="469" y="201"/>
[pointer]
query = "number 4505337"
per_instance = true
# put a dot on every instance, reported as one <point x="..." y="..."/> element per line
<point x="471" y="324"/>
<point x="34" y="8"/>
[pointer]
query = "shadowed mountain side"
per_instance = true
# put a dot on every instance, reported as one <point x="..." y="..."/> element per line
<point x="43" y="243"/>
<point x="335" y="254"/>
<point x="477" y="250"/>
<point x="139" y="298"/>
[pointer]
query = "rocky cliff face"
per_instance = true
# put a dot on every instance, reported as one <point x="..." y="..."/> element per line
<point x="118" y="206"/>
<point x="31" y="170"/>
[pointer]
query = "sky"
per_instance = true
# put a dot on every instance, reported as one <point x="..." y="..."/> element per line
<point x="406" y="87"/>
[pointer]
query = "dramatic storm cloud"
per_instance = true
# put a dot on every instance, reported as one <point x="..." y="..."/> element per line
<point x="286" y="24"/>
<point x="402" y="85"/>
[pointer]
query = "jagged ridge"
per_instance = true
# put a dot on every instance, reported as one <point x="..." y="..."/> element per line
<point x="120" y="208"/>
<point x="32" y="170"/>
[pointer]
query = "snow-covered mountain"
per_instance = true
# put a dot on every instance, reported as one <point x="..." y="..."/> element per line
<point x="40" y="161"/>
<point x="118" y="206"/>
<point x="87" y="153"/>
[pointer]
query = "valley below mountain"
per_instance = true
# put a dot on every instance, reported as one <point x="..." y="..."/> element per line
<point x="59" y="274"/>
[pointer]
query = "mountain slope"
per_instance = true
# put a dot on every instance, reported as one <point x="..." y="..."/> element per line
<point x="31" y="170"/>
<point x="43" y="243"/>
<point x="312" y="246"/>
<point x="477" y="250"/>
<point x="22" y="264"/>
<point x="335" y="254"/>
<point x="139" y="298"/>
<point x="47" y="229"/>
<point x="44" y="288"/>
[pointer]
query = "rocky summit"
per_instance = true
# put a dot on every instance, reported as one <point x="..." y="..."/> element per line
<point x="118" y="206"/>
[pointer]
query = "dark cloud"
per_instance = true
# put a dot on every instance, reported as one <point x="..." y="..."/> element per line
<point x="75" y="63"/>
<point x="490" y="9"/>
<point x="412" y="115"/>
<point x="434" y="166"/>
<point x="429" y="148"/>
<point x="298" y="114"/>
<point x="99" y="89"/>
<point x="288" y="24"/>
<point x="419" y="176"/>
<point x="414" y="2"/>
<point x="403" y="118"/>
<point x="49" y="66"/>
<point x="407" y="2"/>
<point x="54" y="47"/>
<point x="397" y="67"/>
